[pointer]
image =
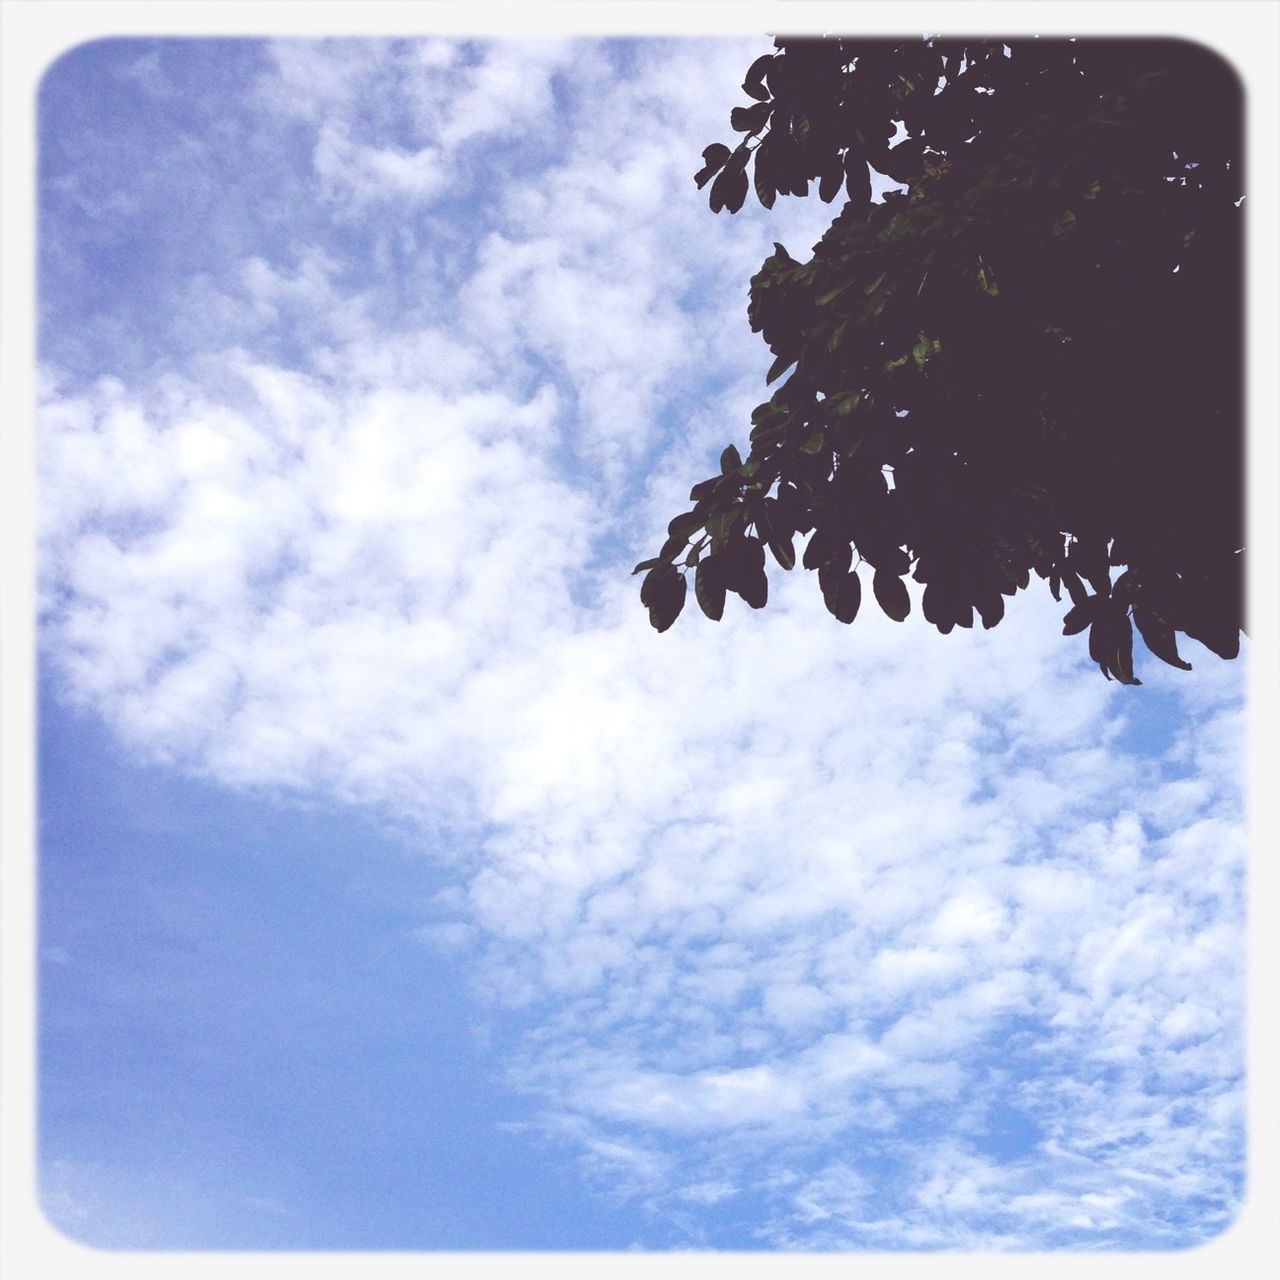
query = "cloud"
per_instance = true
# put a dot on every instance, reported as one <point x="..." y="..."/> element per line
<point x="849" y="937"/>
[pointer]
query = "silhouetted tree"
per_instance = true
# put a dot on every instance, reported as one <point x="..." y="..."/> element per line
<point x="1027" y="361"/>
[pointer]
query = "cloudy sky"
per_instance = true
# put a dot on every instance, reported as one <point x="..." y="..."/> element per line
<point x="400" y="887"/>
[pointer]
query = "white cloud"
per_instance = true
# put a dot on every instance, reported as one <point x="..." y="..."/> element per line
<point x="795" y="893"/>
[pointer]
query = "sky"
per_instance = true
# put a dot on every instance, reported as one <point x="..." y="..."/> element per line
<point x="399" y="886"/>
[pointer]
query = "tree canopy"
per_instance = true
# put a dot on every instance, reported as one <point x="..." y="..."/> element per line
<point x="1028" y="360"/>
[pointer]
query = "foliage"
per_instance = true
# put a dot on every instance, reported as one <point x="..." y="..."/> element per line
<point x="1028" y="361"/>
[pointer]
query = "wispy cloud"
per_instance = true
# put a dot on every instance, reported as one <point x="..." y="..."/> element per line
<point x="846" y="937"/>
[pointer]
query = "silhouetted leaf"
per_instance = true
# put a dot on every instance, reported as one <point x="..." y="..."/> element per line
<point x="843" y="602"/>
<point x="750" y="119"/>
<point x="729" y="190"/>
<point x="667" y="599"/>
<point x="1159" y="637"/>
<point x="891" y="594"/>
<point x="754" y="84"/>
<point x="1082" y="615"/>
<point x="857" y="179"/>
<point x="709" y="588"/>
<point x="714" y="156"/>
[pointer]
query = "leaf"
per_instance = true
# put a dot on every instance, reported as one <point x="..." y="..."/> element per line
<point x="829" y="183"/>
<point x="891" y="594"/>
<point x="646" y="564"/>
<point x="749" y="579"/>
<point x="730" y="461"/>
<point x="722" y="524"/>
<point x="762" y="176"/>
<point x="729" y="190"/>
<point x="1082" y="615"/>
<point x="782" y="545"/>
<point x="667" y="601"/>
<point x="857" y="180"/>
<point x="750" y="120"/>
<point x="1122" y="643"/>
<point x="781" y="365"/>
<point x="1098" y="644"/>
<point x="990" y="606"/>
<point x="715" y="155"/>
<point x="652" y="584"/>
<point x="674" y="544"/>
<point x="924" y="349"/>
<point x="709" y="587"/>
<point x="1159" y="636"/>
<point x="753" y="84"/>
<point x="831" y="571"/>
<point x="843" y="603"/>
<point x="685" y="524"/>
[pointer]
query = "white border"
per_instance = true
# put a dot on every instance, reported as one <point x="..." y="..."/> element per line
<point x="33" y="33"/>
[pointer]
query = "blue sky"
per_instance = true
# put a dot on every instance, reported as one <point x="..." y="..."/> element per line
<point x="400" y="888"/>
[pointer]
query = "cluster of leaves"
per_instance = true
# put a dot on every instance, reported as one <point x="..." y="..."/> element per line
<point x="1028" y="361"/>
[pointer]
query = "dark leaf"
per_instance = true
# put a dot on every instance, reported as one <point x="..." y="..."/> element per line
<point x="1122" y="640"/>
<point x="781" y="365"/>
<point x="857" y="179"/>
<point x="667" y="601"/>
<point x="754" y="83"/>
<point x="1083" y="614"/>
<point x="684" y="525"/>
<point x="730" y="460"/>
<point x="749" y="578"/>
<point x="762" y="174"/>
<point x="891" y="594"/>
<point x="832" y="176"/>
<point x="844" y="601"/>
<point x="1159" y="637"/>
<point x="652" y="585"/>
<point x="674" y="544"/>
<point x="751" y="119"/>
<point x="715" y="155"/>
<point x="709" y="587"/>
<point x="729" y="190"/>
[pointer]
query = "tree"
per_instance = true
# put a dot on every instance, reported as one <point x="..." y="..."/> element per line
<point x="1026" y="361"/>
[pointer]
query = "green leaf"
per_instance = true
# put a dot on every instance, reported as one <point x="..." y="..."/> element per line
<point x="730" y="461"/>
<point x="924" y="349"/>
